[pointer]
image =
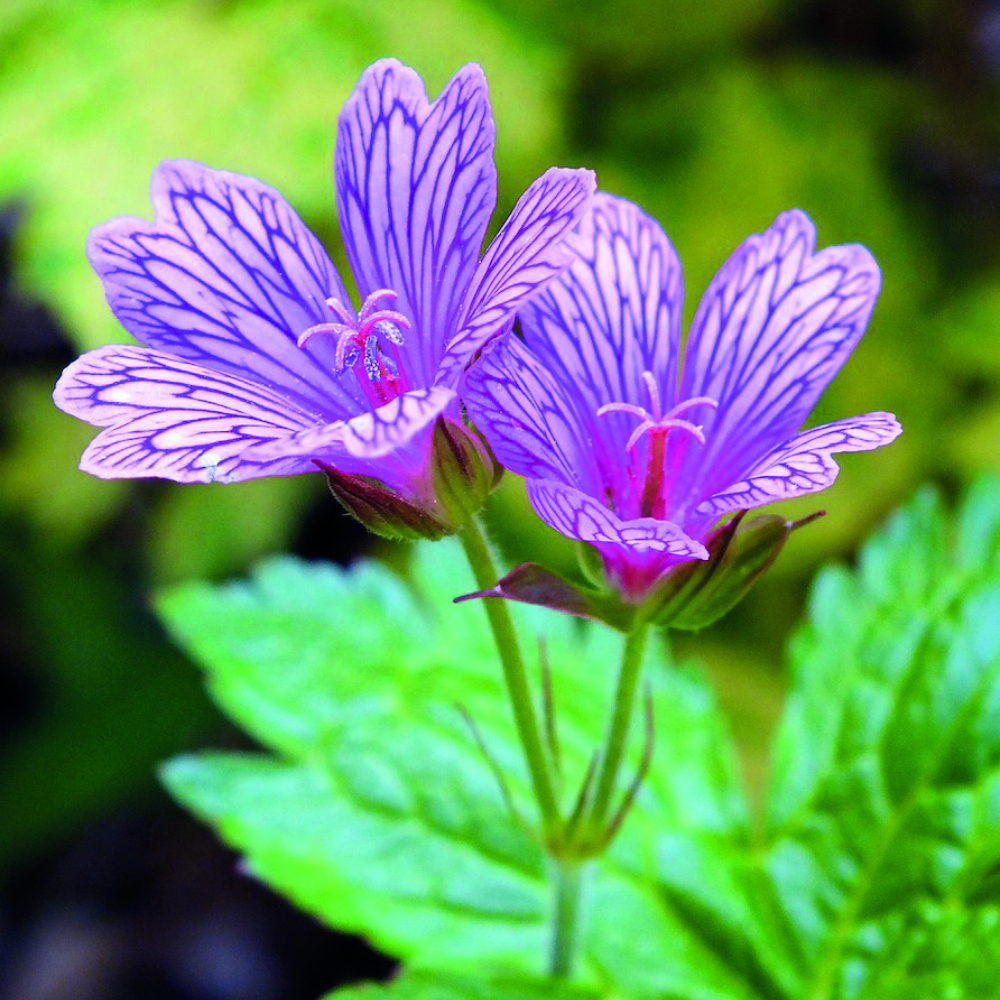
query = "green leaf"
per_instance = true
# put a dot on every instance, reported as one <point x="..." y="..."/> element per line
<point x="438" y="986"/>
<point x="379" y="814"/>
<point x="877" y="873"/>
<point x="884" y="811"/>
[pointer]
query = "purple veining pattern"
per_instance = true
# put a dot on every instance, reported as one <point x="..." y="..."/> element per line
<point x="254" y="361"/>
<point x="623" y="450"/>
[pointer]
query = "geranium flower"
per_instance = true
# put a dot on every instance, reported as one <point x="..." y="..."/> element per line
<point x="255" y="361"/>
<point x="622" y="450"/>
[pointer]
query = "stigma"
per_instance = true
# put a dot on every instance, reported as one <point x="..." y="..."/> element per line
<point x="657" y="480"/>
<point x="364" y="341"/>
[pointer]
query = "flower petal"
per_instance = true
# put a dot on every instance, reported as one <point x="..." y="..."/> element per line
<point x="529" y="250"/>
<point x="175" y="419"/>
<point x="774" y="327"/>
<point x="529" y="419"/>
<point x="615" y="313"/>
<point x="228" y="277"/>
<point x="580" y="516"/>
<point x="386" y="444"/>
<point x="416" y="186"/>
<point x="802" y="465"/>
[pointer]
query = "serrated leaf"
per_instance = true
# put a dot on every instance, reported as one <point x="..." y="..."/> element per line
<point x="381" y="816"/>
<point x="884" y="810"/>
<point x="878" y="872"/>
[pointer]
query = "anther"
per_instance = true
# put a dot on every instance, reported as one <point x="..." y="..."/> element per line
<point x="351" y="353"/>
<point x="372" y="369"/>
<point x="363" y="338"/>
<point x="389" y="330"/>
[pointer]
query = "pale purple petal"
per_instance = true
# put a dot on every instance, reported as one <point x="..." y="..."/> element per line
<point x="529" y="250"/>
<point x="380" y="432"/>
<point x="580" y="516"/>
<point x="229" y="277"/>
<point x="416" y="186"/>
<point x="803" y="465"/>
<point x="532" y="424"/>
<point x="615" y="313"/>
<point x="174" y="419"/>
<point x="388" y="444"/>
<point x="775" y="325"/>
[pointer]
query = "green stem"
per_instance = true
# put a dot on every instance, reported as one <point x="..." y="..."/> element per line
<point x="566" y="880"/>
<point x="477" y="550"/>
<point x="614" y="747"/>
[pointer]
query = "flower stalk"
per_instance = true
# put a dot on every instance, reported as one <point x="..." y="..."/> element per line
<point x="538" y="760"/>
<point x="593" y="828"/>
<point x="567" y="879"/>
<point x="569" y="840"/>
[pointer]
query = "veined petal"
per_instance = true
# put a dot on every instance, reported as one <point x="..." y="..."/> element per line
<point x="227" y="276"/>
<point x="529" y="250"/>
<point x="382" y="443"/>
<point x="416" y="186"/>
<point x="615" y="313"/>
<point x="775" y="325"/>
<point x="531" y="422"/>
<point x="802" y="465"/>
<point x="175" y="419"/>
<point x="578" y="515"/>
<point x="382" y="431"/>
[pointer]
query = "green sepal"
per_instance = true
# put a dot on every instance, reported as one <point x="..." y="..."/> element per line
<point x="691" y="596"/>
<point x="591" y="565"/>
<point x="382" y="511"/>
<point x="462" y="473"/>
<point x="699" y="592"/>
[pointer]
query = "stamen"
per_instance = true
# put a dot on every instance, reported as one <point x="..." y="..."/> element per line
<point x="372" y="369"/>
<point x="365" y="338"/>
<point x="390" y="330"/>
<point x="383" y="316"/>
<point x="351" y="355"/>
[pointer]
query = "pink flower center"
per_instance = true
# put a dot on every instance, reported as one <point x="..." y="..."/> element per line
<point x="653" y="421"/>
<point x="367" y="345"/>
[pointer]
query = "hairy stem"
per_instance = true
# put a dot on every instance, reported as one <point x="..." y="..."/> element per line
<point x="477" y="550"/>
<point x="614" y="746"/>
<point x="567" y="882"/>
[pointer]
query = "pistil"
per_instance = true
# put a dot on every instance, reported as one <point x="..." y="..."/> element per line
<point x="657" y="424"/>
<point x="360" y="340"/>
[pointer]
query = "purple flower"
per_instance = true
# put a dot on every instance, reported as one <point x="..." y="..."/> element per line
<point x="255" y="361"/>
<point x="623" y="450"/>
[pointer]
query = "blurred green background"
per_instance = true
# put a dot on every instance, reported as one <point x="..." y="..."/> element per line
<point x="878" y="117"/>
